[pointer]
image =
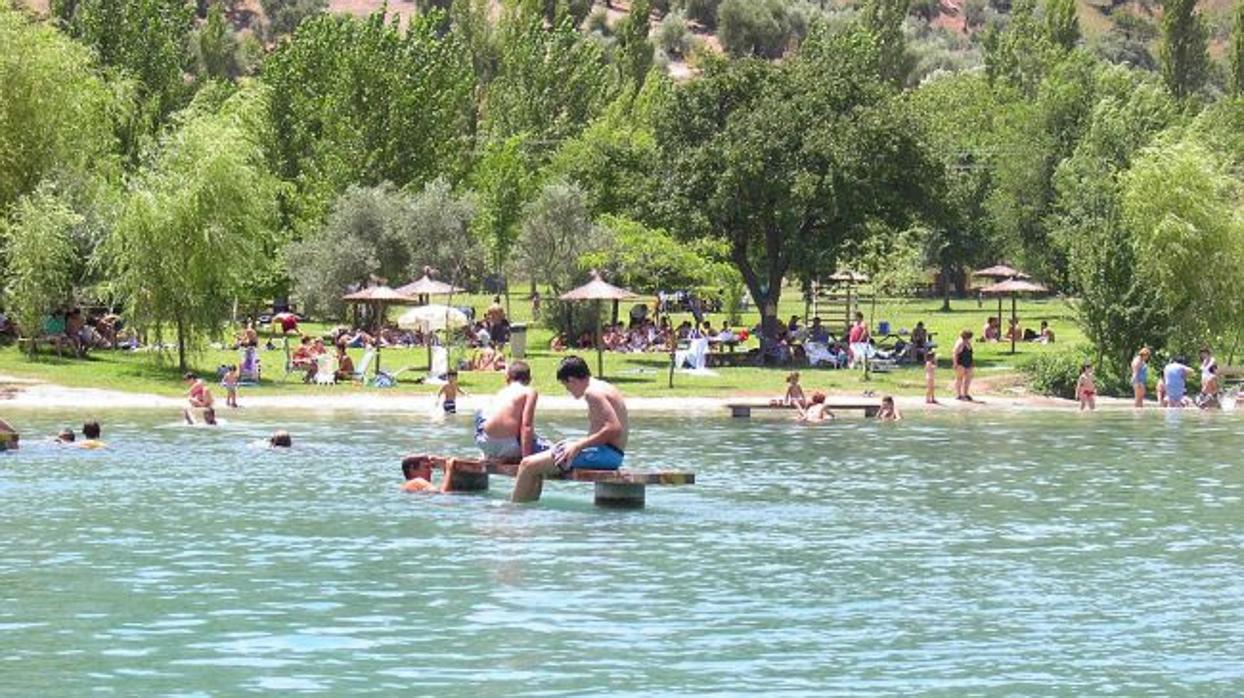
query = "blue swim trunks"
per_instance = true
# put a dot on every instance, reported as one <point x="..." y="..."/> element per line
<point x="606" y="457"/>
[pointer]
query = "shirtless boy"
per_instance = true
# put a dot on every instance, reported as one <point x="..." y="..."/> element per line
<point x="200" y="397"/>
<point x="603" y="447"/>
<point x="507" y="430"/>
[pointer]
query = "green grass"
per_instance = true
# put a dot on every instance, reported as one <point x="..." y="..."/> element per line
<point x="637" y="374"/>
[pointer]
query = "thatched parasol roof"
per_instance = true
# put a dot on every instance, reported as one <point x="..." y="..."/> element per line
<point x="377" y="294"/>
<point x="427" y="286"/>
<point x="1014" y="286"/>
<point x="598" y="290"/>
<point x="1001" y="271"/>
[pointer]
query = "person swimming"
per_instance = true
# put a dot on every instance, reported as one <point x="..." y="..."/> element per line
<point x="816" y="411"/>
<point x="280" y="439"/>
<point x="91" y="431"/>
<point x="889" y="411"/>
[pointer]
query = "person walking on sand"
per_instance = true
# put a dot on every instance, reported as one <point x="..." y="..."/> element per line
<point x="930" y="377"/>
<point x="506" y="431"/>
<point x="602" y="449"/>
<point x="1086" y="388"/>
<point x="1140" y="375"/>
<point x="961" y="358"/>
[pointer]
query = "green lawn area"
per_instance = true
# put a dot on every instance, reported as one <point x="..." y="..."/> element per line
<point x="636" y="374"/>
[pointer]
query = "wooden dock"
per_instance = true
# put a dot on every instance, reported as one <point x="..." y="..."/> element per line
<point x="743" y="410"/>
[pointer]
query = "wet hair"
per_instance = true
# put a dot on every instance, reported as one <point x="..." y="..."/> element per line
<point x="818" y="397"/>
<point x="573" y="367"/>
<point x="91" y="429"/>
<point x="189" y="376"/>
<point x="519" y="372"/>
<point x="412" y="465"/>
<point x="280" y="439"/>
<point x="65" y="435"/>
<point x="888" y="400"/>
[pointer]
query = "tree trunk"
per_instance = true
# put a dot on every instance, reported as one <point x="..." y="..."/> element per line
<point x="181" y="344"/>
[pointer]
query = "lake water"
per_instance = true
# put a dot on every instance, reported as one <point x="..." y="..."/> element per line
<point x="1008" y="554"/>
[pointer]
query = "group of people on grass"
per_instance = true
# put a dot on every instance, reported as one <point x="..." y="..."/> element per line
<point x="992" y="332"/>
<point x="75" y="330"/>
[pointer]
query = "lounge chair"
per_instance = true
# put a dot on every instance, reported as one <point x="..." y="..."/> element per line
<point x="360" y="373"/>
<point x="325" y="370"/>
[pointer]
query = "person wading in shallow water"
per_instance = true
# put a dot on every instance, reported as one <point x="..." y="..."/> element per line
<point x="602" y="449"/>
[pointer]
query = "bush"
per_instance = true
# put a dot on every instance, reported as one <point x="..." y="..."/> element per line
<point x="672" y="36"/>
<point x="754" y="28"/>
<point x="702" y="11"/>
<point x="1056" y="373"/>
<point x="598" y="22"/>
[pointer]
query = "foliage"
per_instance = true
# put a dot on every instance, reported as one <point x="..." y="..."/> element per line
<point x="42" y="258"/>
<point x="194" y="220"/>
<point x="1235" y="53"/>
<point x="215" y="48"/>
<point x="765" y="28"/>
<point x="557" y="231"/>
<point x="884" y="20"/>
<point x="672" y="36"/>
<point x="357" y="101"/>
<point x="504" y="184"/>
<point x="284" y="16"/>
<point x="634" y="54"/>
<point x="1062" y="26"/>
<point x="702" y="11"/>
<point x="1185" y="48"/>
<point x="1057" y="373"/>
<point x="145" y="38"/>
<point x="1181" y="205"/>
<point x="364" y="237"/>
<point x="1020" y="54"/>
<point x="56" y="112"/>
<point x="648" y="260"/>
<point x="440" y="234"/>
<point x="786" y="162"/>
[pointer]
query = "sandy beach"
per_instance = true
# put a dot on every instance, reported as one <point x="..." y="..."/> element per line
<point x="26" y="394"/>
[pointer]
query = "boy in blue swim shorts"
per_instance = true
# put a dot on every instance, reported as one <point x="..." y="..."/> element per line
<point x="602" y="449"/>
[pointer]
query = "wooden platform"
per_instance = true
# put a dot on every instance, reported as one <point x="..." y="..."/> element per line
<point x="614" y="488"/>
<point x="744" y="409"/>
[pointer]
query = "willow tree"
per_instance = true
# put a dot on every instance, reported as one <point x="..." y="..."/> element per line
<point x="195" y="221"/>
<point x="41" y="257"/>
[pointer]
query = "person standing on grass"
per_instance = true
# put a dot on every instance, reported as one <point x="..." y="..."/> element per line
<point x="930" y="377"/>
<point x="1086" y="388"/>
<point x="1140" y="375"/>
<point x="961" y="359"/>
<point x="603" y="447"/>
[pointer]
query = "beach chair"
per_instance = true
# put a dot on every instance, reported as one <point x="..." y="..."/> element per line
<point x="818" y="353"/>
<point x="325" y="370"/>
<point x="360" y="373"/>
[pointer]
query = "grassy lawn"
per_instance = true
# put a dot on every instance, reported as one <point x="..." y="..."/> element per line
<point x="636" y="374"/>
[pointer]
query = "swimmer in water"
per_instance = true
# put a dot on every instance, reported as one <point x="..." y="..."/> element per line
<point x="418" y="472"/>
<point x="280" y="439"/>
<point x="816" y="411"/>
<point x="9" y="437"/>
<point x="200" y="397"/>
<point x="888" y="412"/>
<point x="91" y="431"/>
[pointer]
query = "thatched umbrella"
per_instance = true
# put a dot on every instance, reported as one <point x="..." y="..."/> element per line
<point x="381" y="297"/>
<point x="427" y="286"/>
<point x="1013" y="287"/>
<point x="851" y="279"/>
<point x="996" y="273"/>
<point x="599" y="290"/>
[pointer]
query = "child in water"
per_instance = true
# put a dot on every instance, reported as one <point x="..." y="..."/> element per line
<point x="930" y="377"/>
<point x="817" y="411"/>
<point x="230" y="384"/>
<point x="794" y="393"/>
<point x="418" y="472"/>
<point x="448" y="394"/>
<point x="1086" y="389"/>
<point x="888" y="412"/>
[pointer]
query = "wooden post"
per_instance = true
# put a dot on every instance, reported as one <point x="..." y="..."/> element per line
<point x="469" y="482"/>
<point x="600" y="350"/>
<point x="1013" y="318"/>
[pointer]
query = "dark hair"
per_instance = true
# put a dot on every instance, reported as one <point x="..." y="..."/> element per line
<point x="189" y="376"/>
<point x="1086" y="366"/>
<point x="573" y="367"/>
<point x="818" y="398"/>
<point x="91" y="430"/>
<point x="452" y="373"/>
<point x="65" y="435"/>
<point x="280" y="439"/>
<point x="411" y="464"/>
<point x="519" y="371"/>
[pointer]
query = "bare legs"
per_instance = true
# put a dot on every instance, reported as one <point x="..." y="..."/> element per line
<point x="530" y="481"/>
<point x="1138" y="390"/>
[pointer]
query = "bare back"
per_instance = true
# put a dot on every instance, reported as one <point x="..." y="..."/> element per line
<point x="604" y="404"/>
<point x="508" y="408"/>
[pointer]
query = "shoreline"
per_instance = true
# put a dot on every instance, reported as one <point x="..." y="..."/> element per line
<point x="36" y="395"/>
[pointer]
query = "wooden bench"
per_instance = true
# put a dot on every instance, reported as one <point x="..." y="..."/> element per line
<point x="614" y="488"/>
<point x="743" y="410"/>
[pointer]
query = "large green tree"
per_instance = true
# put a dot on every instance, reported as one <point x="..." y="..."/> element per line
<point x="1235" y="53"/>
<point x="784" y="163"/>
<point x="1185" y="48"/>
<point x="195" y="220"/>
<point x="42" y="258"/>
<point x="56" y="111"/>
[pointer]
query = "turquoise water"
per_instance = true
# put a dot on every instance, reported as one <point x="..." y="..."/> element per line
<point x="966" y="555"/>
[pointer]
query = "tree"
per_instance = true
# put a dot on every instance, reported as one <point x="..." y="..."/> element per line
<point x="1062" y="26"/>
<point x="195" y="220"/>
<point x="504" y="184"/>
<point x="358" y="101"/>
<point x="215" y="47"/>
<point x="884" y="20"/>
<point x="557" y="231"/>
<point x="284" y="16"/>
<point x="440" y="234"/>
<point x="1180" y="203"/>
<point x="57" y="111"/>
<point x="755" y="28"/>
<point x="1185" y="48"/>
<point x="651" y="259"/>
<point x="148" y="40"/>
<point x="42" y="258"/>
<point x="365" y="236"/>
<point x="784" y="163"/>
<point x="634" y="54"/>
<point x="1020" y="54"/>
<point x="1235" y="59"/>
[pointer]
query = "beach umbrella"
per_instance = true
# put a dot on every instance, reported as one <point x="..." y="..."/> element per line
<point x="427" y="286"/>
<point x="996" y="273"/>
<point x="430" y="318"/>
<point x="1012" y="287"/>
<point x="599" y="290"/>
<point x="381" y="297"/>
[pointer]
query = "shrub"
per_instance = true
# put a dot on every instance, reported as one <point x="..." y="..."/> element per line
<point x="598" y="22"/>
<point x="702" y="11"/>
<point x="754" y="28"/>
<point x="1056" y="373"/>
<point x="672" y="36"/>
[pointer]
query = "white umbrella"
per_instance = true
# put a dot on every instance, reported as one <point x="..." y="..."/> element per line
<point x="432" y="318"/>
